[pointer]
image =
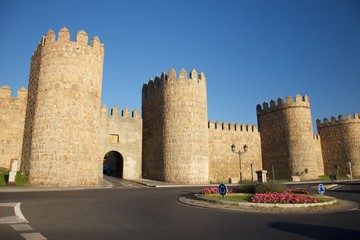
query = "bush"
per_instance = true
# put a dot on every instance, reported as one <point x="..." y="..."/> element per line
<point x="270" y="188"/>
<point x="298" y="191"/>
<point x="247" y="188"/>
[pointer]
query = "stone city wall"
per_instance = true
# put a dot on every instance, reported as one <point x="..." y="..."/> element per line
<point x="122" y="134"/>
<point x="153" y="121"/>
<point x="287" y="139"/>
<point x="181" y="105"/>
<point x="62" y="135"/>
<point x="224" y="164"/>
<point x="12" y="120"/>
<point x="340" y="142"/>
<point x="62" y="122"/>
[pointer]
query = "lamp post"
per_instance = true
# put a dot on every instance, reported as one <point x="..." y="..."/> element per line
<point x="233" y="149"/>
<point x="252" y="172"/>
<point x="351" y="176"/>
<point x="337" y="166"/>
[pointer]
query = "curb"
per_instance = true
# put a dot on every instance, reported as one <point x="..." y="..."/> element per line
<point x="103" y="185"/>
<point x="267" y="205"/>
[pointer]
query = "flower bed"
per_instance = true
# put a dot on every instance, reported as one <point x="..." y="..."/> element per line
<point x="285" y="197"/>
<point x="214" y="190"/>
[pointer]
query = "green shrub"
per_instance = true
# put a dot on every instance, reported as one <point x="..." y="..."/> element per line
<point x="246" y="188"/>
<point x="270" y="188"/>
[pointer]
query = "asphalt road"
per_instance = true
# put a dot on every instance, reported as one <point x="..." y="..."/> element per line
<point x="155" y="213"/>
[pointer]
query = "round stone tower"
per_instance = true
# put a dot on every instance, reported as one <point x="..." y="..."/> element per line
<point x="175" y="135"/>
<point x="287" y="140"/>
<point x="62" y="121"/>
<point x="340" y="141"/>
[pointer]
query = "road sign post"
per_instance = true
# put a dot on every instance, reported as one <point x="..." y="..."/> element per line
<point x="321" y="189"/>
<point x="222" y="190"/>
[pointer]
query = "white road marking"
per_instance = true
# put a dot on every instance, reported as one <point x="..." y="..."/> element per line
<point x="19" y="213"/>
<point x="18" y="222"/>
<point x="17" y="218"/>
<point x="33" y="236"/>
<point x="22" y="227"/>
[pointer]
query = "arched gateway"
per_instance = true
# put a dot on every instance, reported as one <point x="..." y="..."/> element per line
<point x="113" y="164"/>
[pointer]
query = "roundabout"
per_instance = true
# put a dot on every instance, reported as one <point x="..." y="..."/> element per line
<point x="288" y="201"/>
<point x="335" y="205"/>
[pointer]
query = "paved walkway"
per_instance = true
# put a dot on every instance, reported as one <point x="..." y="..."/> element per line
<point x="111" y="182"/>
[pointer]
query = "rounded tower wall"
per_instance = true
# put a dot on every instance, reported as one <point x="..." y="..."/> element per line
<point x="340" y="142"/>
<point x="287" y="138"/>
<point x="181" y="103"/>
<point x="152" y="142"/>
<point x="64" y="107"/>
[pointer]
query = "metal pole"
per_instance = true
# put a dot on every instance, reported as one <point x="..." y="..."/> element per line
<point x="273" y="172"/>
<point x="351" y="177"/>
<point x="240" y="168"/>
<point x="252" y="173"/>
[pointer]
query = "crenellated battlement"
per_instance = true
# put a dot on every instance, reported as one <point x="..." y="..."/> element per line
<point x="5" y="92"/>
<point x="64" y="37"/>
<point x="115" y="113"/>
<point x="299" y="101"/>
<point x="316" y="136"/>
<point x="340" y="120"/>
<point x="172" y="79"/>
<point x="81" y="40"/>
<point x="237" y="127"/>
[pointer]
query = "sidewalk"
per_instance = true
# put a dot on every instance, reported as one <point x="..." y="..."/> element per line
<point x="156" y="184"/>
<point x="153" y="183"/>
<point x="103" y="185"/>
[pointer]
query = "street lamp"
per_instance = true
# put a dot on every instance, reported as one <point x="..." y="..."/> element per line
<point x="233" y="149"/>
<point x="351" y="175"/>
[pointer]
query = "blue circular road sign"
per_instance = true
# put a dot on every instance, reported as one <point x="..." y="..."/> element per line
<point x="222" y="189"/>
<point x="321" y="189"/>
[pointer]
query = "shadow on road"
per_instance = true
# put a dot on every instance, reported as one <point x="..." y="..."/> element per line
<point x="316" y="231"/>
<point x="345" y="191"/>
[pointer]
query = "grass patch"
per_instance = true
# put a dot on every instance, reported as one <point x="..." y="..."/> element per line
<point x="327" y="177"/>
<point x="4" y="177"/>
<point x="323" y="198"/>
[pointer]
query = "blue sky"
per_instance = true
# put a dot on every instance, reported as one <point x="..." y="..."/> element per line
<point x="250" y="51"/>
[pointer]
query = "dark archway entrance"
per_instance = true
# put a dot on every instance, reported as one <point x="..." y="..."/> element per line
<point x="113" y="164"/>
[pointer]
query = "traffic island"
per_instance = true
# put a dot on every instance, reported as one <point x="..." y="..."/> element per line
<point x="298" y="201"/>
<point x="335" y="205"/>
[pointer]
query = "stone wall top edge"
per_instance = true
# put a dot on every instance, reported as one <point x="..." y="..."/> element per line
<point x="64" y="39"/>
<point x="232" y="127"/>
<point x="316" y="136"/>
<point x="279" y="104"/>
<point x="5" y="92"/>
<point x="355" y="118"/>
<point x="116" y="113"/>
<point x="172" y="78"/>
